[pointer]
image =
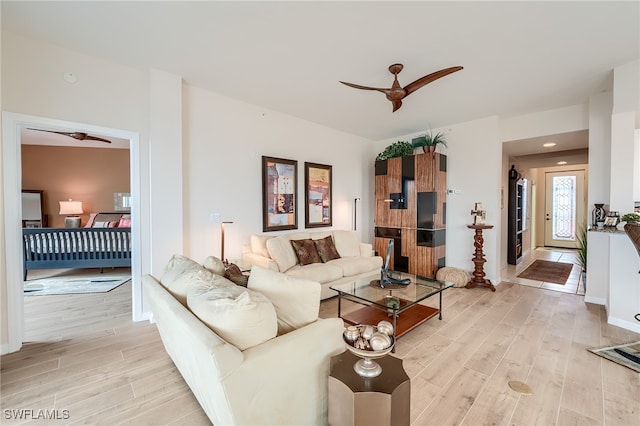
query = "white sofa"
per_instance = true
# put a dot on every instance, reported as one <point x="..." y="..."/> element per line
<point x="276" y="252"/>
<point x="282" y="380"/>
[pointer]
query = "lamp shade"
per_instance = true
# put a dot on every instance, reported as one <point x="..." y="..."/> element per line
<point x="70" y="207"/>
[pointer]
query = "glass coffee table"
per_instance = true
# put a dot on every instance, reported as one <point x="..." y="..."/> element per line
<point x="397" y="303"/>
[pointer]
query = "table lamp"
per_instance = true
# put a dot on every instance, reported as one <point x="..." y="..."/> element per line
<point x="71" y="209"/>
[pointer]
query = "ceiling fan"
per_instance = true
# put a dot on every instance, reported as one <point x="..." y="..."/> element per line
<point x="396" y="93"/>
<point x="76" y="135"/>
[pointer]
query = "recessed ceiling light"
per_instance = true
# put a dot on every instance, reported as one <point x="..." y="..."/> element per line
<point x="549" y="144"/>
<point x="561" y="163"/>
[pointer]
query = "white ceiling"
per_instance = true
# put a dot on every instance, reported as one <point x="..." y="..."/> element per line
<point x="518" y="57"/>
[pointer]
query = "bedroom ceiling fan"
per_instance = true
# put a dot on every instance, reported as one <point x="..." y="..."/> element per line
<point x="76" y="135"/>
<point x="396" y="93"/>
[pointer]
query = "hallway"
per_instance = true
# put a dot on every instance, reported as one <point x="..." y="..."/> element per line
<point x="574" y="283"/>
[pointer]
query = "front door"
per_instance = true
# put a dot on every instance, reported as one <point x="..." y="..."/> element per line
<point x="565" y="207"/>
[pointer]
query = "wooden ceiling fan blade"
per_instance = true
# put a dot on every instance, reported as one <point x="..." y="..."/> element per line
<point x="96" y="138"/>
<point x="396" y="105"/>
<point x="412" y="87"/>
<point x="52" y="131"/>
<point x="357" y="86"/>
<point x="80" y="136"/>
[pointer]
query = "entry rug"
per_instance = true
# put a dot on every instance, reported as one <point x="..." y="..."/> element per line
<point x="74" y="285"/>
<point x="627" y="354"/>
<point x="547" y="271"/>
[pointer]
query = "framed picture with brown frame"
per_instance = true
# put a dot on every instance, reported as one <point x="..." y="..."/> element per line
<point x="318" y="208"/>
<point x="279" y="198"/>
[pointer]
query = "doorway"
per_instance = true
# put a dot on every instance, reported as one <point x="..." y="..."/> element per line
<point x="565" y="207"/>
<point x="11" y="144"/>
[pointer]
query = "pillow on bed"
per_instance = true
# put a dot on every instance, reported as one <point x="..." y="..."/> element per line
<point x="125" y="221"/>
<point x="105" y="224"/>
<point x="92" y="217"/>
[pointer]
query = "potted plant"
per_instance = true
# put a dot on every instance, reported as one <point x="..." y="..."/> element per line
<point x="581" y="238"/>
<point x="631" y="218"/>
<point x="396" y="149"/>
<point x="428" y="142"/>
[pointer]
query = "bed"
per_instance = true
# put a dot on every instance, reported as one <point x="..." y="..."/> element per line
<point x="47" y="248"/>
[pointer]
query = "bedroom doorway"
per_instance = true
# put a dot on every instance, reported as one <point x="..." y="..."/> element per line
<point x="12" y="125"/>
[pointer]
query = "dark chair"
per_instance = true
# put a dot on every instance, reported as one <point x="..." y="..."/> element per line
<point x="633" y="231"/>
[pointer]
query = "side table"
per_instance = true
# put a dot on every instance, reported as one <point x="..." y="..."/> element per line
<point x="479" y="260"/>
<point x="356" y="400"/>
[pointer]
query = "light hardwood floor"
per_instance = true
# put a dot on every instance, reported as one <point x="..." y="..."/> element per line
<point x="86" y="356"/>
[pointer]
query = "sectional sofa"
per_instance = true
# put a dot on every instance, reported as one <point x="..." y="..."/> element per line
<point x="341" y="256"/>
<point x="255" y="355"/>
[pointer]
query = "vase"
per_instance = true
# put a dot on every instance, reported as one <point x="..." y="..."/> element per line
<point x="598" y="214"/>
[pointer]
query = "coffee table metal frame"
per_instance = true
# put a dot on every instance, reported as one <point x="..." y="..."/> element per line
<point x="374" y="301"/>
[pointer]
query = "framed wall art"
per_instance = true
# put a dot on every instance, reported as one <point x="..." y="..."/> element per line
<point x="279" y="199"/>
<point x="317" y="200"/>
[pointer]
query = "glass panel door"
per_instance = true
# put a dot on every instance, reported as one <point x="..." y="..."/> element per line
<point x="565" y="206"/>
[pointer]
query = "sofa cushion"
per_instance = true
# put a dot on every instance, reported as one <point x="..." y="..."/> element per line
<point x="326" y="249"/>
<point x="259" y="245"/>
<point x="297" y="301"/>
<point x="297" y="236"/>
<point x="281" y="251"/>
<point x="319" y="272"/>
<point x="306" y="251"/>
<point x="242" y="317"/>
<point x="347" y="243"/>
<point x="351" y="266"/>
<point x="214" y="265"/>
<point x="179" y="273"/>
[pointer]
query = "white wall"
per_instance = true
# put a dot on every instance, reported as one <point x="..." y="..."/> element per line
<point x="542" y="123"/>
<point x="165" y="148"/>
<point x="600" y="108"/>
<point x="225" y="140"/>
<point x="4" y="329"/>
<point x="626" y="106"/>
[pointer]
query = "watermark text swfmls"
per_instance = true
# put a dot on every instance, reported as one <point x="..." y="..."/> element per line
<point x="32" y="414"/>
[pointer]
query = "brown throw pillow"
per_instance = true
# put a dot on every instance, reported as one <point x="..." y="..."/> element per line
<point x="326" y="249"/>
<point x="306" y="251"/>
<point x="233" y="273"/>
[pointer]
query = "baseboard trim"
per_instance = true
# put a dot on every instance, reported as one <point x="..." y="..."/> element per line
<point x="595" y="300"/>
<point x="627" y="325"/>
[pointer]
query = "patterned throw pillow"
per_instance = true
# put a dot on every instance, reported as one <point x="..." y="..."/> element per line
<point x="326" y="249"/>
<point x="306" y="251"/>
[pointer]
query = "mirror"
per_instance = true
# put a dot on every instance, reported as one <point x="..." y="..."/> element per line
<point x="32" y="209"/>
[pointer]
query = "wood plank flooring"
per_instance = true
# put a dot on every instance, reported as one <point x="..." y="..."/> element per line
<point x="85" y="358"/>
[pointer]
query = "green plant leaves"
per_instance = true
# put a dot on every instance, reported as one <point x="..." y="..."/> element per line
<point x="396" y="149"/>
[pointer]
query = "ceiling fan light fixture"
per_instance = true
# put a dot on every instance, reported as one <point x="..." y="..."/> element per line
<point x="396" y="93"/>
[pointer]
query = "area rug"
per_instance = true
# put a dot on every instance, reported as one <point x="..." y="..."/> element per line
<point x="627" y="354"/>
<point x="74" y="285"/>
<point x="547" y="271"/>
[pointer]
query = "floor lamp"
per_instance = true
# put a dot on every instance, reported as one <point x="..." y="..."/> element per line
<point x="222" y="241"/>
<point x="355" y="213"/>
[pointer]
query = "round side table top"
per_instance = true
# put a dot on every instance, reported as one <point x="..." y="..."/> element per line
<point x="483" y="226"/>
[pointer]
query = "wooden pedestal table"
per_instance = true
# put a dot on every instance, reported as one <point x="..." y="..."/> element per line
<point x="479" y="260"/>
<point x="356" y="400"/>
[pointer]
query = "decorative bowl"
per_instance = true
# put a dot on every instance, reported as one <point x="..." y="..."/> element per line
<point x="366" y="367"/>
